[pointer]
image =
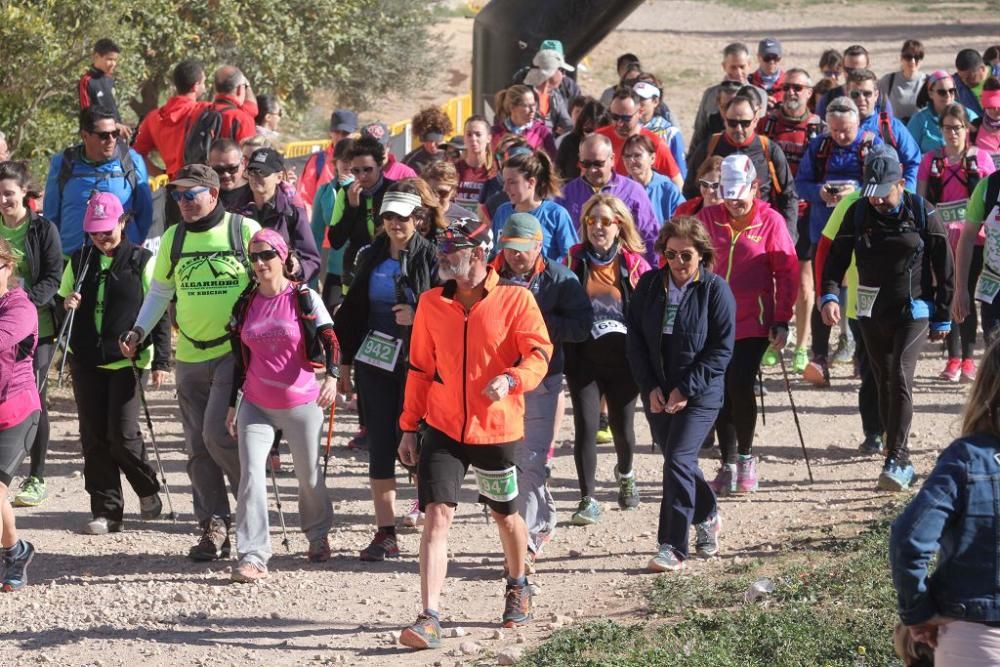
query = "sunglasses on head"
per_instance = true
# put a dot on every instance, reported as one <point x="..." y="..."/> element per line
<point x="104" y="136"/>
<point x="945" y="92"/>
<point x="187" y="195"/>
<point x="737" y="122"/>
<point x="592" y="220"/>
<point x="685" y="255"/>
<point x="263" y="256"/>
<point x="592" y="164"/>
<point x="868" y="94"/>
<point x="357" y="171"/>
<point x="711" y="185"/>
<point x="797" y="87"/>
<point x="224" y="169"/>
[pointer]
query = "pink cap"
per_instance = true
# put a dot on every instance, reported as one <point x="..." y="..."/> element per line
<point x="990" y="99"/>
<point x="104" y="210"/>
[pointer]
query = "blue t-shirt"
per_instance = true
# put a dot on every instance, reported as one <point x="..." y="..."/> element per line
<point x="382" y="296"/>
<point x="558" y="232"/>
<point x="664" y="196"/>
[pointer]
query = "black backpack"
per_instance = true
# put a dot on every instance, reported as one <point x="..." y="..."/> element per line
<point x="74" y="154"/>
<point x="202" y="131"/>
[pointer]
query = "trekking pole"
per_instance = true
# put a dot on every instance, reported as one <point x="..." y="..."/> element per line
<point x="795" y="415"/>
<point x="281" y="514"/>
<point x="760" y="385"/>
<point x="329" y="436"/>
<point x="62" y="360"/>
<point x="152" y="438"/>
<point x="66" y="330"/>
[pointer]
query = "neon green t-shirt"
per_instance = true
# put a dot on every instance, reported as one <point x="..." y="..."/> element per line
<point x="17" y="238"/>
<point x="833" y="224"/>
<point x="977" y="215"/>
<point x="145" y="358"/>
<point x="207" y="286"/>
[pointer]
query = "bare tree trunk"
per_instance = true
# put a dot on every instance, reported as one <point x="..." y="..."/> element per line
<point x="149" y="95"/>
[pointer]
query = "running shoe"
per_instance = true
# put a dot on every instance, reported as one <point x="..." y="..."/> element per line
<point x="706" y="536"/>
<point x="319" y="550"/>
<point x="360" y="440"/>
<point x="665" y="560"/>
<point x="413" y="517"/>
<point x="770" y="358"/>
<point x="587" y="513"/>
<point x="952" y="370"/>
<point x="845" y="351"/>
<point x="150" y="507"/>
<point x="382" y="546"/>
<point x="425" y="633"/>
<point x="725" y="480"/>
<point x="32" y="493"/>
<point x="817" y="373"/>
<point x="15" y="567"/>
<point x="968" y="370"/>
<point x="516" y="605"/>
<point x="102" y="525"/>
<point x="604" y="435"/>
<point x="872" y="444"/>
<point x="746" y="474"/>
<point x="800" y="360"/>
<point x="895" y="477"/>
<point x="247" y="572"/>
<point x="628" y="490"/>
<point x="214" y="543"/>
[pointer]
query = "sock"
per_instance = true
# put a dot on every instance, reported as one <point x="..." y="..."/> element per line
<point x="745" y="457"/>
<point x="520" y="581"/>
<point x="433" y="613"/>
<point x="625" y="475"/>
<point x="17" y="550"/>
<point x="388" y="530"/>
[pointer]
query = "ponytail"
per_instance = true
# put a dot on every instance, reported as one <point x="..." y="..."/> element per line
<point x="537" y="165"/>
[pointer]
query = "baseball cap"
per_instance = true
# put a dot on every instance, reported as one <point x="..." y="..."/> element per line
<point x="104" y="210"/>
<point x="738" y="175"/>
<point x="457" y="142"/>
<point x="646" y="90"/>
<point x="195" y="175"/>
<point x="769" y="47"/>
<point x="400" y="203"/>
<point x="343" y="120"/>
<point x="436" y="137"/>
<point x="521" y="232"/>
<point x="545" y="63"/>
<point x="266" y="161"/>
<point x="378" y="131"/>
<point x="551" y="45"/>
<point x="465" y="233"/>
<point x="882" y="171"/>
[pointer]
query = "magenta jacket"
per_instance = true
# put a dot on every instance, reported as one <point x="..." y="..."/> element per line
<point x="759" y="264"/>
<point x="537" y="135"/>
<point x="18" y="338"/>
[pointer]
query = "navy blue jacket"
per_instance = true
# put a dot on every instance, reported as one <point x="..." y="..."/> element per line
<point x="954" y="515"/>
<point x="701" y="344"/>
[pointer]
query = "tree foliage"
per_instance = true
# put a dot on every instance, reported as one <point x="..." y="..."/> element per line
<point x="359" y="49"/>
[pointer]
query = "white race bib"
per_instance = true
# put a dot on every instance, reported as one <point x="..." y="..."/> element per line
<point x="379" y="350"/>
<point x="669" y="315"/>
<point x="987" y="286"/>
<point x="952" y="211"/>
<point x="866" y="299"/>
<point x="498" y="485"/>
<point x="604" y="327"/>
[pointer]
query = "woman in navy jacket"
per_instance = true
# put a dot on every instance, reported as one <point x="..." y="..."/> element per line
<point x="956" y="608"/>
<point x="681" y="330"/>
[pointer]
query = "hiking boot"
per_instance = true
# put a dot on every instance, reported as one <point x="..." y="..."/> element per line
<point x="359" y="442"/>
<point x="895" y="477"/>
<point x="425" y="633"/>
<point x="214" y="543"/>
<point x="845" y="351"/>
<point x="770" y="358"/>
<point x="319" y="550"/>
<point x="587" y="513"/>
<point x="32" y="492"/>
<point x="102" y="525"/>
<point x="517" y="605"/>
<point x="746" y="474"/>
<point x="665" y="560"/>
<point x="800" y="359"/>
<point x="413" y="517"/>
<point x="706" y="536"/>
<point x="628" y="490"/>
<point x="15" y="567"/>
<point x="817" y="373"/>
<point x="968" y="371"/>
<point x="150" y="507"/>
<point x="247" y="572"/>
<point x="604" y="435"/>
<point x="872" y="444"/>
<point x="725" y="480"/>
<point x="382" y="546"/>
<point x="952" y="370"/>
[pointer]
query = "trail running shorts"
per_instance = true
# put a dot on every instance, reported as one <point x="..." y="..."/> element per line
<point x="444" y="463"/>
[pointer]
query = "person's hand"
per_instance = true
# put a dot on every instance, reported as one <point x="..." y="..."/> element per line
<point x="344" y="384"/>
<point x="124" y="130"/>
<point x="128" y="344"/>
<point x="72" y="302"/>
<point x="327" y="392"/>
<point x="497" y="388"/>
<point x="827" y="196"/>
<point x="354" y="194"/>
<point x="935" y="336"/>
<point x="778" y="337"/>
<point x="290" y="176"/>
<point x="657" y="403"/>
<point x="231" y="422"/>
<point x="831" y="313"/>
<point x="157" y="378"/>
<point x="408" y="449"/>
<point x="927" y="633"/>
<point x="845" y="190"/>
<point x="294" y="265"/>
<point x="404" y="314"/>
<point x="960" y="306"/>
<point x="676" y="402"/>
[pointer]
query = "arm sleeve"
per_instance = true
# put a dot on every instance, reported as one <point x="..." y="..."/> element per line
<point x="51" y="264"/>
<point x="307" y="185"/>
<point x="321" y="211"/>
<point x="942" y="267"/>
<point x="805" y="179"/>
<point x="16" y="324"/>
<point x="788" y="201"/>
<point x="714" y="358"/>
<point x="975" y="211"/>
<point x="698" y="155"/>
<point x="533" y="345"/>
<point x="665" y="163"/>
<point x="636" y="345"/>
<point x="154" y="306"/>
<point x="549" y="145"/>
<point x="839" y="257"/>
<point x="573" y="315"/>
<point x="302" y="240"/>
<point x="343" y="220"/>
<point x="83" y="91"/>
<point x="677" y="150"/>
<point x="239" y="369"/>
<point x="421" y="373"/>
<point x="785" y="268"/>
<point x="142" y="199"/>
<point x="68" y="281"/>
<point x="909" y="155"/>
<point x="567" y="235"/>
<point x="143" y="144"/>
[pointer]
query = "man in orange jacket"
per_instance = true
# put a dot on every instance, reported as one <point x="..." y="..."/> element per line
<point x="469" y="393"/>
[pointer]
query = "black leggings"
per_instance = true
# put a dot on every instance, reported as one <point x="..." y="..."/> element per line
<point x="962" y="338"/>
<point x="586" y="386"/>
<point x="738" y="417"/>
<point x="40" y="447"/>
<point x="871" y="420"/>
<point x="893" y="349"/>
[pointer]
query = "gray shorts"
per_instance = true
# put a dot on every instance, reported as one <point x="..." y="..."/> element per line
<point x="14" y="445"/>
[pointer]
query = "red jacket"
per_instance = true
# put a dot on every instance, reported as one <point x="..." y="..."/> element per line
<point x="165" y="129"/>
<point x="454" y="355"/>
<point x="238" y="122"/>
<point x="314" y="175"/>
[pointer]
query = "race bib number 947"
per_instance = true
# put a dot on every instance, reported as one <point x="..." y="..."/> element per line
<point x="498" y="485"/>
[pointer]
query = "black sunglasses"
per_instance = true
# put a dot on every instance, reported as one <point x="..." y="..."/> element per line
<point x="263" y="256"/>
<point x="797" y="87"/>
<point x="945" y="92"/>
<point x="226" y="169"/>
<point x="736" y="122"/>
<point x="772" y="58"/>
<point x="104" y="136"/>
<point x="592" y="164"/>
<point x="855" y="94"/>
<point x="910" y="56"/>
<point x="685" y="255"/>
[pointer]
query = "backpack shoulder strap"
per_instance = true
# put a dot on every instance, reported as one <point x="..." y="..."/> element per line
<point x="176" y="247"/>
<point x="885" y="128"/>
<point x="236" y="238"/>
<point x="128" y="164"/>
<point x="713" y="143"/>
<point x="823" y="157"/>
<point x="69" y="156"/>
<point x="971" y="167"/>
<point x="768" y="147"/>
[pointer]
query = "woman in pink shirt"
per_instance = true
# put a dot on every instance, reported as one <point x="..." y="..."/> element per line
<point x="517" y="114"/>
<point x="756" y="256"/>
<point x="946" y="177"/>
<point x="279" y="329"/>
<point x="20" y="409"/>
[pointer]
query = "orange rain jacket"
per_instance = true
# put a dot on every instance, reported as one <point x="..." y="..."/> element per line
<point x="454" y="355"/>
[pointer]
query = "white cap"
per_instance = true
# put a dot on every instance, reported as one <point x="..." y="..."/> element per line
<point x="738" y="175"/>
<point x="400" y="203"/>
<point x="646" y="90"/>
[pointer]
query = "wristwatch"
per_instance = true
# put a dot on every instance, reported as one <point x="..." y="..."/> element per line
<point x="511" y="381"/>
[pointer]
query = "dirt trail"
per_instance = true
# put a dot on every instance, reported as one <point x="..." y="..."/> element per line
<point x="118" y="599"/>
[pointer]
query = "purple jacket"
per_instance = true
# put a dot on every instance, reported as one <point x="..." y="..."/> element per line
<point x="576" y="193"/>
<point x="286" y="215"/>
<point x="18" y="338"/>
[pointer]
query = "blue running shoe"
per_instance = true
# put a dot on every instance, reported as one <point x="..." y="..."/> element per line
<point x="15" y="566"/>
<point x="895" y="477"/>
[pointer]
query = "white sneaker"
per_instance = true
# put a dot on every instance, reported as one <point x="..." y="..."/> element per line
<point x="102" y="526"/>
<point x="413" y="517"/>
